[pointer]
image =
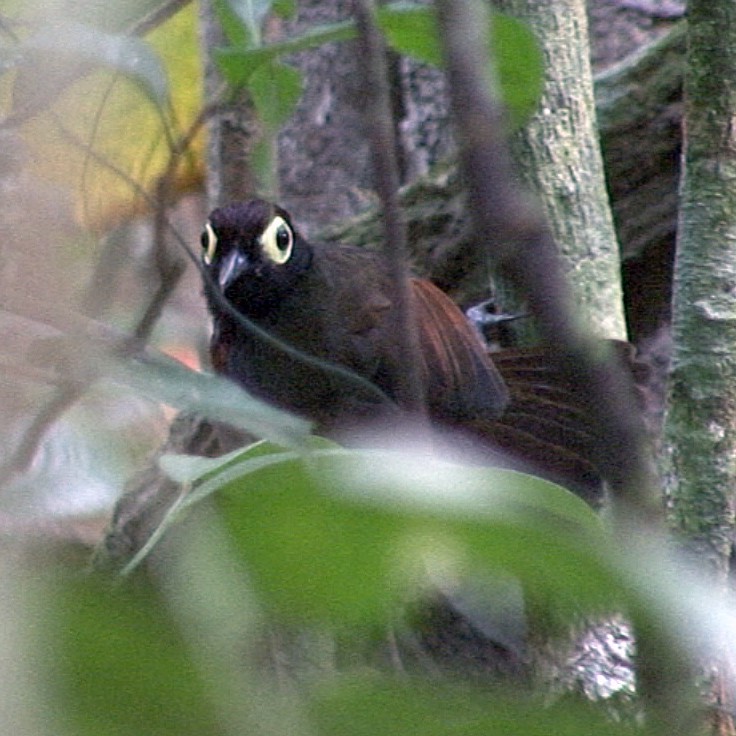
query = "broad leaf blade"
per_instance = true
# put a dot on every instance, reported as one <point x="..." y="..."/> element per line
<point x="117" y="665"/>
<point x="368" y="705"/>
<point x="165" y="379"/>
<point x="324" y="544"/>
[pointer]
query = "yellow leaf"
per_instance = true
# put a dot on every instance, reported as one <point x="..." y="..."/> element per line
<point x="105" y="140"/>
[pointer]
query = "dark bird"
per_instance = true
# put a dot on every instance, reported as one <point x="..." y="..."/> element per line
<point x="333" y="303"/>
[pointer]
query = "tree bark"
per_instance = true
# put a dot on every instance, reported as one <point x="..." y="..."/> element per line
<point x="639" y="106"/>
<point x="559" y="156"/>
<point x="700" y="426"/>
<point x="701" y="421"/>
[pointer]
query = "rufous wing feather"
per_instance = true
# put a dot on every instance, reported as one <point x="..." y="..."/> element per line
<point x="546" y="423"/>
<point x="460" y="379"/>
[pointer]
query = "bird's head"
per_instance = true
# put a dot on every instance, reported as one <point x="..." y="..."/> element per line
<point x="253" y="255"/>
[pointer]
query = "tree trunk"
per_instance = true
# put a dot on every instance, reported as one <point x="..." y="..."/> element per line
<point x="559" y="155"/>
<point x="700" y="427"/>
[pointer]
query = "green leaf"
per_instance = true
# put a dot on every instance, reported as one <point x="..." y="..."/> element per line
<point x="238" y="63"/>
<point x="519" y="65"/>
<point x="115" y="663"/>
<point x="413" y="31"/>
<point x="369" y="705"/>
<point x="341" y="536"/>
<point x="275" y="89"/>
<point x="311" y="559"/>
<point x="242" y="20"/>
<point x="233" y="26"/>
<point x="168" y="381"/>
<point x="209" y="475"/>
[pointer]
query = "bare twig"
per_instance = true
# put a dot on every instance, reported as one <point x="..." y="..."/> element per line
<point x="372" y="55"/>
<point x="170" y="268"/>
<point x="521" y="247"/>
<point x="65" y="397"/>
<point x="157" y="16"/>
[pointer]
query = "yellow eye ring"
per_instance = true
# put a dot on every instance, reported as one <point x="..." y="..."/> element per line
<point x="209" y="244"/>
<point x="277" y="241"/>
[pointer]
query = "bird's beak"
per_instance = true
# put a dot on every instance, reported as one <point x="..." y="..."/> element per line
<point x="235" y="263"/>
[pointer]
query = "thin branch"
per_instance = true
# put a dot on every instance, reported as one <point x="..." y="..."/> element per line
<point x="521" y="247"/>
<point x="20" y="461"/>
<point x="157" y="17"/>
<point x="379" y="117"/>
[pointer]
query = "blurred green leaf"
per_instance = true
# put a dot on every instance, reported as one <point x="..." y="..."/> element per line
<point x="213" y="474"/>
<point x="233" y="26"/>
<point x="412" y="30"/>
<point x="338" y="536"/>
<point x="275" y="89"/>
<point x="164" y="379"/>
<point x="116" y="664"/>
<point x="365" y="706"/>
<point x="519" y="65"/>
<point x="311" y="558"/>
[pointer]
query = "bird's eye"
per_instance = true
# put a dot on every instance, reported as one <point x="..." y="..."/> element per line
<point x="209" y="244"/>
<point x="277" y="240"/>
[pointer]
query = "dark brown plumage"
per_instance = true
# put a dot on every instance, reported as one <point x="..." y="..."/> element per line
<point x="332" y="302"/>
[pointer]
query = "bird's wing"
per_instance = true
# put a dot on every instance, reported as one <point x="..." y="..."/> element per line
<point x="546" y="423"/>
<point x="460" y="379"/>
<point x="514" y="401"/>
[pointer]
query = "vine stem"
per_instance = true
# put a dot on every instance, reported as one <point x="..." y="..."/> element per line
<point x="379" y="119"/>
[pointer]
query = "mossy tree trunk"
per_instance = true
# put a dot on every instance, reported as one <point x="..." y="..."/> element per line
<point x="559" y="154"/>
<point x="700" y="426"/>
